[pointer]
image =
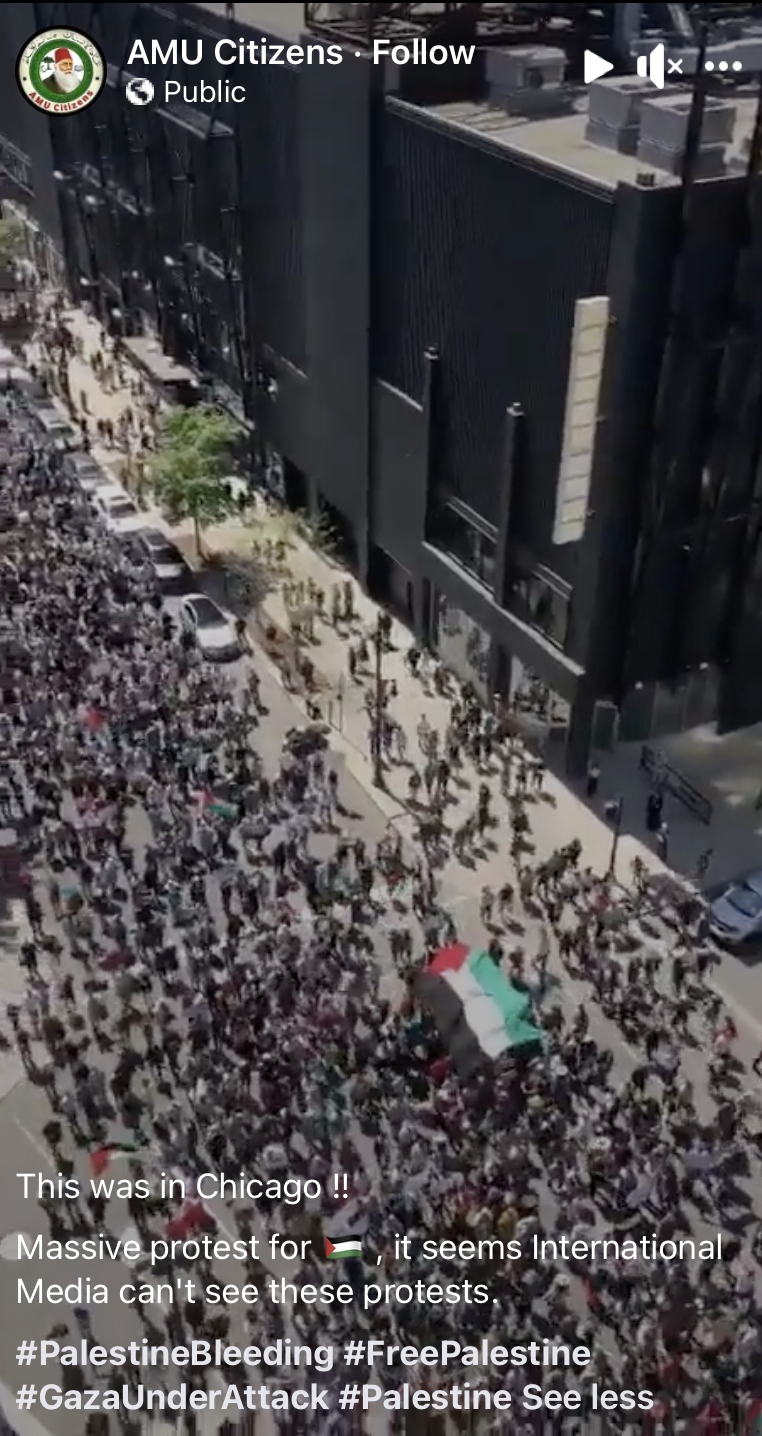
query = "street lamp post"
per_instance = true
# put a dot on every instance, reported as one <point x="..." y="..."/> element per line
<point x="378" y="705"/>
<point x="615" y="813"/>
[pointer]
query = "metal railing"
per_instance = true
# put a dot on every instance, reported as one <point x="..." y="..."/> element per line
<point x="664" y="776"/>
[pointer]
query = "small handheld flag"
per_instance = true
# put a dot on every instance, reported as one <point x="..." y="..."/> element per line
<point x="341" y="1251"/>
<point x="102" y="1157"/>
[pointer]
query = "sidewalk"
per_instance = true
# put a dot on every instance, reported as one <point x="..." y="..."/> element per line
<point x="13" y="931"/>
<point x="20" y="1423"/>
<point x="101" y="403"/>
<point x="559" y="815"/>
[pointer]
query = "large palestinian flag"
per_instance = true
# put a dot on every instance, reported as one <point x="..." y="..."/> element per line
<point x="481" y="1016"/>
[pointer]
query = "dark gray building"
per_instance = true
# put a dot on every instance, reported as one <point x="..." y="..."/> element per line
<point x="508" y="342"/>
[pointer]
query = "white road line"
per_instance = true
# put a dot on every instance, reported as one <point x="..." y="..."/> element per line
<point x="460" y="901"/>
<point x="12" y="1074"/>
<point x="22" y="1423"/>
<point x="38" y="1147"/>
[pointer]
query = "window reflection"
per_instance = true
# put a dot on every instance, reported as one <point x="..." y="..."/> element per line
<point x="462" y="644"/>
<point x="465" y="543"/>
<point x="544" y="607"/>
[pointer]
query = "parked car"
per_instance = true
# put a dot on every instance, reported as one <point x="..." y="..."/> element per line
<point x="164" y="557"/>
<point x="55" y="425"/>
<point x="116" y="511"/>
<point x="213" y="629"/>
<point x="87" y="474"/>
<point x="735" y="916"/>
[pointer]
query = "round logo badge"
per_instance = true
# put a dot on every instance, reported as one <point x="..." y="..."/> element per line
<point x="60" y="71"/>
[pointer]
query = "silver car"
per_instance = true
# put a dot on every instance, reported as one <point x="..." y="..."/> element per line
<point x="115" y="510"/>
<point x="164" y="557"/>
<point x="735" y="917"/>
<point x="212" y="628"/>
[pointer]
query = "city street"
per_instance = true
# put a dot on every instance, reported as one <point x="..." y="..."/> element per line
<point x="555" y="818"/>
<point x="562" y="817"/>
<point x="24" y="1110"/>
<point x="380" y="791"/>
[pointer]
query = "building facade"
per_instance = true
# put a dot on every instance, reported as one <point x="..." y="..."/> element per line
<point x="519" y="375"/>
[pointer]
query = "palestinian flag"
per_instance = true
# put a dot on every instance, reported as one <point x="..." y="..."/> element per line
<point x="191" y="1219"/>
<point x="102" y="1157"/>
<point x="341" y="1251"/>
<point x="210" y="805"/>
<point x="480" y="1015"/>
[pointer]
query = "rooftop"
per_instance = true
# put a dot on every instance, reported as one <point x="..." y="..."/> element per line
<point x="558" y="141"/>
<point x="284" y="18"/>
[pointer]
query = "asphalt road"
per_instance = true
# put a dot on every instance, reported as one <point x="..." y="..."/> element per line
<point x="23" y="1112"/>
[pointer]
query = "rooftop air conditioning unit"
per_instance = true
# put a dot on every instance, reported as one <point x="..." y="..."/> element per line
<point x="342" y="10"/>
<point x="613" y="115"/>
<point x="528" y="80"/>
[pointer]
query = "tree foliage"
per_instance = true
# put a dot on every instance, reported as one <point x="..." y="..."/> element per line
<point x="191" y="463"/>
<point x="11" y="241"/>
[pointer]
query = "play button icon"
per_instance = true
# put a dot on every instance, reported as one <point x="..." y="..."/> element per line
<point x="595" y="67"/>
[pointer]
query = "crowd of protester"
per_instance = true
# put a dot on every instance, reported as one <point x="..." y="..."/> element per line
<point x="221" y="972"/>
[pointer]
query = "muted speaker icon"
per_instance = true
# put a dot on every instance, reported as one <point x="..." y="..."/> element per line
<point x="651" y="67"/>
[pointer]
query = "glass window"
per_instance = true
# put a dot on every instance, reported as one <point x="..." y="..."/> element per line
<point x="536" y="601"/>
<point x="466" y="544"/>
<point x="462" y="644"/>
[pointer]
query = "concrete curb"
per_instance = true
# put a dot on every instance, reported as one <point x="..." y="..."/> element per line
<point x="20" y="1423"/>
<point x="354" y="760"/>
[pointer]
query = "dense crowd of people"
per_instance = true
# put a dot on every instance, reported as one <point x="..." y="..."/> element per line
<point x="223" y="974"/>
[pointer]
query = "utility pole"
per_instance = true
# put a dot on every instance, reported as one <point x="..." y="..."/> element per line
<point x="378" y="706"/>
<point x="615" y="812"/>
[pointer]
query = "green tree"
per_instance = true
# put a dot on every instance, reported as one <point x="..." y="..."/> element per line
<point x="11" y="241"/>
<point x="191" y="463"/>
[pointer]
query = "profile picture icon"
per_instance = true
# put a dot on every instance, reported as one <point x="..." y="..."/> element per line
<point x="60" y="71"/>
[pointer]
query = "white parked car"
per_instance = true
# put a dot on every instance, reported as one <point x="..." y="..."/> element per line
<point x="212" y="628"/>
<point x="735" y="916"/>
<point x="116" y="511"/>
<point x="55" y="425"/>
